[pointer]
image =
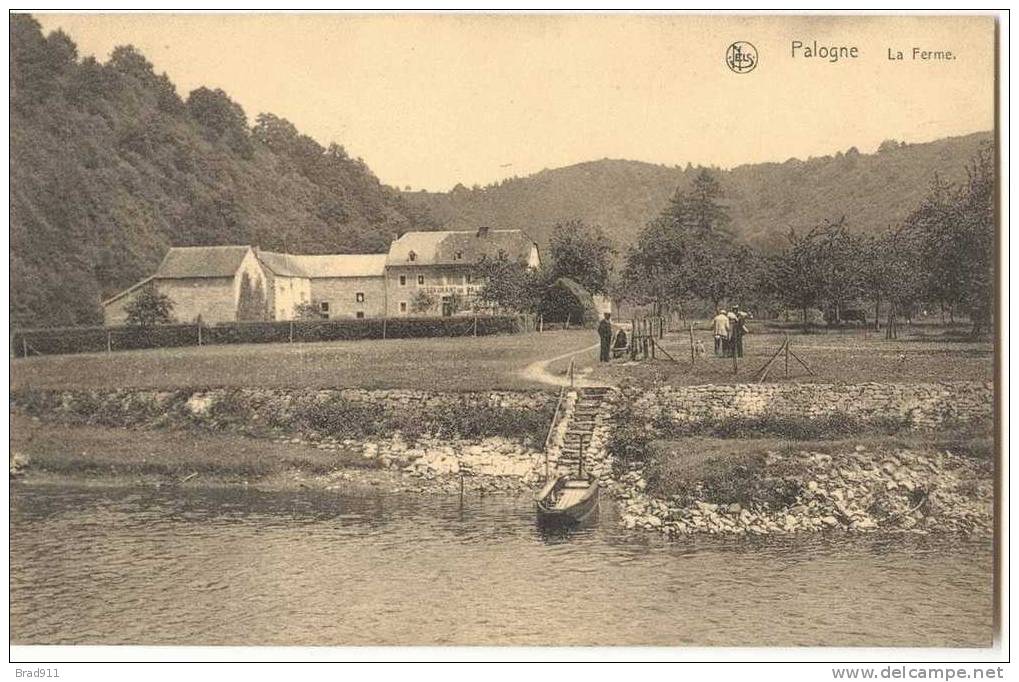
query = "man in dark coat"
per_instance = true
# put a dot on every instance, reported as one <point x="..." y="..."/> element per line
<point x="605" y="335"/>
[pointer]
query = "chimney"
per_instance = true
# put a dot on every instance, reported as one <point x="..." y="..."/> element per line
<point x="482" y="232"/>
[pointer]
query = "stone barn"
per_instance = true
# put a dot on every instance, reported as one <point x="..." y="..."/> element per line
<point x="214" y="283"/>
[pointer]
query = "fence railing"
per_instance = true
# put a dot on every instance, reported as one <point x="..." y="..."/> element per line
<point x="55" y="341"/>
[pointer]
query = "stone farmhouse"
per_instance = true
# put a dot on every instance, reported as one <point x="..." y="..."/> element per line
<point x="424" y="274"/>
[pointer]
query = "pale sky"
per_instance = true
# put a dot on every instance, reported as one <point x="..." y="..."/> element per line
<point x="432" y="100"/>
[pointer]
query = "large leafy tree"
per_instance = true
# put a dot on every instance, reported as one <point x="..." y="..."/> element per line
<point x="584" y="253"/>
<point x="688" y="252"/>
<point x="509" y="284"/>
<point x="954" y="228"/>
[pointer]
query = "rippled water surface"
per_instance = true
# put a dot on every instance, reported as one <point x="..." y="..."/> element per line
<point x="94" y="565"/>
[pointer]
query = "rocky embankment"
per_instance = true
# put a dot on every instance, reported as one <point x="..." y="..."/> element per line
<point x="855" y="491"/>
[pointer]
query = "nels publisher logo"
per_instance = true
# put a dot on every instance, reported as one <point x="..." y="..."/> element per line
<point x="741" y="57"/>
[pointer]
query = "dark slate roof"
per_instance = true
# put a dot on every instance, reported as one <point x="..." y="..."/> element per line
<point x="201" y="261"/>
<point x="444" y="247"/>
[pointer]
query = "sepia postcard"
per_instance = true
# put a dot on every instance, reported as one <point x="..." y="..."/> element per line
<point x="519" y="330"/>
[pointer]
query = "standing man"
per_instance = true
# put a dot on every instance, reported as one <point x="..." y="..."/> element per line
<point x="721" y="330"/>
<point x="738" y="322"/>
<point x="605" y="336"/>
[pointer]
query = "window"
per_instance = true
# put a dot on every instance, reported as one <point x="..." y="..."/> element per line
<point x="403" y="306"/>
<point x="468" y="278"/>
<point x="421" y="280"/>
<point x="359" y="314"/>
<point x="412" y="256"/>
<point x="403" y="280"/>
<point x="458" y="255"/>
<point x="323" y="306"/>
<point x="359" y="297"/>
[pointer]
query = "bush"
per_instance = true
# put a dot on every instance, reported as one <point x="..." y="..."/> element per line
<point x="58" y="341"/>
<point x="745" y="479"/>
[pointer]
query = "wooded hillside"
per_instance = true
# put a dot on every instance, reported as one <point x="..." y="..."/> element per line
<point x="873" y="191"/>
<point x="110" y="166"/>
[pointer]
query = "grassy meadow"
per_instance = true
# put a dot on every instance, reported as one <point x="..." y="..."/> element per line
<point x="921" y="354"/>
<point x="440" y="364"/>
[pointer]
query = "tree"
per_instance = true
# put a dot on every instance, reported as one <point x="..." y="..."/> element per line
<point x="954" y="228"/>
<point x="583" y="253"/>
<point x="307" y="310"/>
<point x="839" y="256"/>
<point x="423" y="302"/>
<point x="976" y="239"/>
<point x="888" y="146"/>
<point x="251" y="301"/>
<point x="221" y="119"/>
<point x="794" y="274"/>
<point x="689" y="252"/>
<point x="510" y="284"/>
<point x="149" y="308"/>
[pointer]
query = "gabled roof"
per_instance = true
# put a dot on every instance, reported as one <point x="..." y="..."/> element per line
<point x="201" y="261"/>
<point x="459" y="247"/>
<point x="343" y="265"/>
<point x="282" y="264"/>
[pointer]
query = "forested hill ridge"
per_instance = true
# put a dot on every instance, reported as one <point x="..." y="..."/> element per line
<point x="873" y="191"/>
<point x="110" y="166"/>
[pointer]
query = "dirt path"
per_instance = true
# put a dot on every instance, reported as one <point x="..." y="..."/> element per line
<point x="538" y="371"/>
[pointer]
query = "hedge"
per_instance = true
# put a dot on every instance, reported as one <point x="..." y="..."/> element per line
<point x="55" y="341"/>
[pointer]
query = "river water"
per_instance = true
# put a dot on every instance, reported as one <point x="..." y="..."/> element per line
<point x="105" y="565"/>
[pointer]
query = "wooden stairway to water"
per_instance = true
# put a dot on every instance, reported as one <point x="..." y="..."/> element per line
<point x="580" y="428"/>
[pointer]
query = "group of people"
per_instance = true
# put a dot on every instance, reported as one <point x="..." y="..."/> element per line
<point x="729" y="328"/>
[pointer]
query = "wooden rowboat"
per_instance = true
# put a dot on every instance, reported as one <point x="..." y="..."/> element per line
<point x="567" y="500"/>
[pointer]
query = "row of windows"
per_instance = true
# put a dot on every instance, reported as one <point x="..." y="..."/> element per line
<point x="459" y="255"/>
<point x="323" y="306"/>
<point x="467" y="279"/>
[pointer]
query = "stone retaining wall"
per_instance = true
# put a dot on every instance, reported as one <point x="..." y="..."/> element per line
<point x="917" y="405"/>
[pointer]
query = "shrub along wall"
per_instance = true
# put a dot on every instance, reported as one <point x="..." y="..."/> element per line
<point x="101" y="339"/>
<point x="345" y="413"/>
<point x="932" y="405"/>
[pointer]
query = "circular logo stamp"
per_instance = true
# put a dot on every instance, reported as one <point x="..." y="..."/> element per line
<point x="741" y="57"/>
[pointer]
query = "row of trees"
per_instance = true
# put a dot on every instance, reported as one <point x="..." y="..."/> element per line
<point x="941" y="256"/>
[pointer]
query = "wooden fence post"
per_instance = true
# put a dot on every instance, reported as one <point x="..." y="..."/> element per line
<point x="109" y="341"/>
<point x="786" y="344"/>
<point x="24" y="347"/>
<point x="475" y="325"/>
<point x="691" y="344"/>
<point x="291" y="331"/>
<point x="384" y="328"/>
<point x="199" y="333"/>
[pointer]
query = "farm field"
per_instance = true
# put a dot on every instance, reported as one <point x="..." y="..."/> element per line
<point x="921" y="355"/>
<point x="440" y="364"/>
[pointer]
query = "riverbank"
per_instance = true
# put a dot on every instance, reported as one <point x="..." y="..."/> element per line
<point x="874" y="483"/>
<point x="45" y="451"/>
<point x="917" y="458"/>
